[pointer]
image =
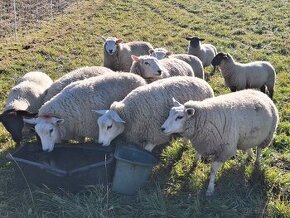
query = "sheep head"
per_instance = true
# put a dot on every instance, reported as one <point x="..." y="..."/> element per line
<point x="111" y="44"/>
<point x="149" y="67"/>
<point x="178" y="114"/>
<point x="12" y="120"/>
<point x="219" y="58"/>
<point x="194" y="41"/>
<point x="159" y="53"/>
<point x="110" y="126"/>
<point x="47" y="128"/>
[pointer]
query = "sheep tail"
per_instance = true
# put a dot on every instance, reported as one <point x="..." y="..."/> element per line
<point x="271" y="134"/>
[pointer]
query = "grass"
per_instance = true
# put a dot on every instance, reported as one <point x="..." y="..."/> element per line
<point x="249" y="30"/>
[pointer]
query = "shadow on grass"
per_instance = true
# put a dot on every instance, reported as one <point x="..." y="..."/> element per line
<point x="238" y="192"/>
<point x="241" y="190"/>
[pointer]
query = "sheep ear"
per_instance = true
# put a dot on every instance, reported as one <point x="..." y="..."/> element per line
<point x="104" y="39"/>
<point x="31" y="120"/>
<point x="102" y="112"/>
<point x="190" y="112"/>
<point x="25" y="113"/>
<point x="135" y="58"/>
<point x="201" y="39"/>
<point x="188" y="38"/>
<point x="176" y="103"/>
<point x="119" y="41"/>
<point x="57" y="121"/>
<point x="151" y="51"/>
<point x="116" y="117"/>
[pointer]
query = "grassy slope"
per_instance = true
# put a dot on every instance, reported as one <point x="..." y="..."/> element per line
<point x="249" y="30"/>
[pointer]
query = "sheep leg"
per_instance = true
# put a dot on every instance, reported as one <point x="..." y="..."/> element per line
<point x="258" y="156"/>
<point x="271" y="93"/>
<point x="263" y="89"/>
<point x="250" y="153"/>
<point x="214" y="168"/>
<point x="149" y="147"/>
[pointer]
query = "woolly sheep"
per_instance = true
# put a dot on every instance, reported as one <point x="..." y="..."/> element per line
<point x="217" y="127"/>
<point x="205" y="52"/>
<point x="151" y="69"/>
<point x="117" y="54"/>
<point x="193" y="61"/>
<point x="140" y="114"/>
<point x="24" y="99"/>
<point x="237" y="76"/>
<point x="69" y="116"/>
<point x="75" y="75"/>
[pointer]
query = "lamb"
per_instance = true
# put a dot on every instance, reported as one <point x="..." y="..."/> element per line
<point x="75" y="75"/>
<point x="117" y="54"/>
<point x="69" y="116"/>
<point x="151" y="69"/>
<point x="24" y="99"/>
<point x="205" y="52"/>
<point x="217" y="127"/>
<point x="139" y="115"/>
<point x="237" y="76"/>
<point x="193" y="61"/>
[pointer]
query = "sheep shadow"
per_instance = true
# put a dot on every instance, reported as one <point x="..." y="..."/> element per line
<point x="241" y="189"/>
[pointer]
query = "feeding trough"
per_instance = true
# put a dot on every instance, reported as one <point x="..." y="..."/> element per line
<point x="133" y="168"/>
<point x="70" y="167"/>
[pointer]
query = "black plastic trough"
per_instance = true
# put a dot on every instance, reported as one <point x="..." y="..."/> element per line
<point x="69" y="167"/>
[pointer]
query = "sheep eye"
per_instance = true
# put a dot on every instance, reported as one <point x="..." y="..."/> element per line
<point x="50" y="131"/>
<point x="146" y="63"/>
<point x="179" y="117"/>
<point x="109" y="127"/>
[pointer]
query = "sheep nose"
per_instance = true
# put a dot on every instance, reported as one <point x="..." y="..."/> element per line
<point x="110" y="50"/>
<point x="159" y="71"/>
<point x="162" y="129"/>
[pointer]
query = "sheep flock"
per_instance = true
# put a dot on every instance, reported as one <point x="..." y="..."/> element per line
<point x="142" y="95"/>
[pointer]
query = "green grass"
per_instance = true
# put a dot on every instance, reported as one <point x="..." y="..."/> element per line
<point x="249" y="30"/>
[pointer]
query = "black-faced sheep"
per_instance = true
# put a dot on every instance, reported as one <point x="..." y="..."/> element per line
<point x="238" y="76"/>
<point x="24" y="99"/>
<point x="205" y="52"/>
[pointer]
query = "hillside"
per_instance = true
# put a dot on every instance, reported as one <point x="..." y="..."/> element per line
<point x="20" y="17"/>
<point x="249" y="30"/>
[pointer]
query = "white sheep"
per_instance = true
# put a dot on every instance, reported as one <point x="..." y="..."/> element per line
<point x="205" y="52"/>
<point x="151" y="69"/>
<point x="238" y="76"/>
<point x="24" y="99"/>
<point x="217" y="127"/>
<point x="69" y="116"/>
<point x="193" y="61"/>
<point x="75" y="75"/>
<point x="139" y="115"/>
<point x="117" y="54"/>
